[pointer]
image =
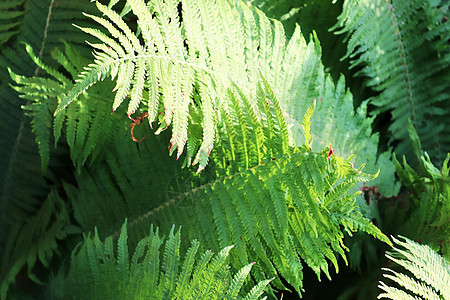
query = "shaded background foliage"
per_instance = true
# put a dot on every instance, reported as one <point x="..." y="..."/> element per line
<point x="26" y="194"/>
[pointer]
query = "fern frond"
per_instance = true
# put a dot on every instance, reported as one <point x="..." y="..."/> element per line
<point x="49" y="22"/>
<point x="87" y="123"/>
<point x="238" y="281"/>
<point x="186" y="270"/>
<point x="306" y="124"/>
<point x="430" y="272"/>
<point x="399" y="46"/>
<point x="228" y="195"/>
<point x="24" y="190"/>
<point x="35" y="90"/>
<point x="35" y="240"/>
<point x="289" y="184"/>
<point x="118" y="178"/>
<point x="122" y="255"/>
<point x="24" y="194"/>
<point x="95" y="262"/>
<point x="179" y="61"/>
<point x="335" y="120"/>
<point x="430" y="208"/>
<point x="299" y="212"/>
<point x="170" y="265"/>
<point x="18" y="151"/>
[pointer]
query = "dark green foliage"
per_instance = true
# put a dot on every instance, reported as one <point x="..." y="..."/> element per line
<point x="123" y="185"/>
<point x="102" y="270"/>
<point x="403" y="49"/>
<point x="429" y="206"/>
<point x="423" y="214"/>
<point x="89" y="126"/>
<point x="276" y="135"/>
<point x="11" y="13"/>
<point x="24" y="190"/>
<point x="35" y="240"/>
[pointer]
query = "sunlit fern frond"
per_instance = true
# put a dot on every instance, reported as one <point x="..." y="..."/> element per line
<point x="279" y="204"/>
<point x="175" y="60"/>
<point x="335" y="121"/>
<point x="428" y="273"/>
<point x="301" y="196"/>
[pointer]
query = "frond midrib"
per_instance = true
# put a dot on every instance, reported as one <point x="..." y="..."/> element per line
<point x="169" y="58"/>
<point x="403" y="55"/>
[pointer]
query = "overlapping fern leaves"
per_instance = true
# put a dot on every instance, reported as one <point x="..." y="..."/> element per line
<point x="98" y="271"/>
<point x="88" y="126"/>
<point x="402" y="47"/>
<point x="289" y="204"/>
<point x="430" y="217"/>
<point x="174" y="66"/>
<point x="335" y="121"/>
<point x="35" y="240"/>
<point x="24" y="190"/>
<point x="172" y="61"/>
<point x="214" y="71"/>
<point x="275" y="202"/>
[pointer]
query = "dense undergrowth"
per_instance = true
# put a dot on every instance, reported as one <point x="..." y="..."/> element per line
<point x="309" y="136"/>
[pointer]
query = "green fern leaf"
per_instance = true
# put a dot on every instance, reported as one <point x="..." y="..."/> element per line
<point x="335" y="121"/>
<point x="238" y="281"/>
<point x="170" y="264"/>
<point x="430" y="209"/>
<point x="10" y="16"/>
<point x="306" y="124"/>
<point x="87" y="122"/>
<point x="24" y="189"/>
<point x="391" y="40"/>
<point x="299" y="213"/>
<point x="34" y="241"/>
<point x="160" y="63"/>
<point x="430" y="270"/>
<point x="122" y="254"/>
<point x="184" y="277"/>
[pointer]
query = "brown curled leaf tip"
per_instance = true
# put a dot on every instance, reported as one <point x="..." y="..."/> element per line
<point x="137" y="122"/>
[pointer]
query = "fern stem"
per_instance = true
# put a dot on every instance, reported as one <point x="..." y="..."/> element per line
<point x="47" y="24"/>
